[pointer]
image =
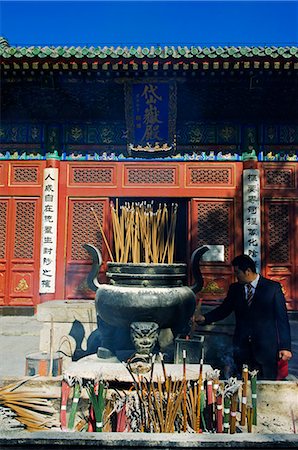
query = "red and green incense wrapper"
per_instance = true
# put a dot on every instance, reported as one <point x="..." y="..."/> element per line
<point x="74" y="405"/>
<point x="227" y="408"/>
<point x="219" y="412"/>
<point x="65" y="389"/>
<point x="253" y="386"/>
<point x="244" y="394"/>
<point x="97" y="395"/>
<point x="200" y="394"/>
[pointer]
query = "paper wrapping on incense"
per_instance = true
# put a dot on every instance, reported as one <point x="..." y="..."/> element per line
<point x="219" y="412"/>
<point x="249" y="413"/>
<point x="244" y="394"/>
<point x="202" y="407"/>
<point x="210" y="405"/>
<point x="200" y="388"/>
<point x="91" y="418"/>
<point x="253" y="386"/>
<point x="65" y="389"/>
<point x="233" y="411"/>
<point x="230" y="404"/>
<point x="227" y="408"/>
<point x="97" y="393"/>
<point x="74" y="405"/>
<point x="184" y="392"/>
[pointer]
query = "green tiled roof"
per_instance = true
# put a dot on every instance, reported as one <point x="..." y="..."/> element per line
<point x="167" y="52"/>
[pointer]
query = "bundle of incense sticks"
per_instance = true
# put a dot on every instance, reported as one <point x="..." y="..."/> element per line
<point x="32" y="409"/>
<point x="97" y="394"/>
<point x="142" y="234"/>
<point x="230" y="405"/>
<point x="253" y="387"/>
<point x="244" y="394"/>
<point x="160" y="404"/>
<point x="163" y="404"/>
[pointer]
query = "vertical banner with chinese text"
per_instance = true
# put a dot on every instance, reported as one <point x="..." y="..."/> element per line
<point x="151" y="112"/>
<point x="49" y="232"/>
<point x="252" y="215"/>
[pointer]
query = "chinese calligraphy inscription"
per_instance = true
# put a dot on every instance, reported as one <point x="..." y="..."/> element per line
<point x="251" y="215"/>
<point x="49" y="232"/>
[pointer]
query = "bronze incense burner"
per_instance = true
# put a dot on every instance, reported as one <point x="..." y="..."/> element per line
<point x="152" y="294"/>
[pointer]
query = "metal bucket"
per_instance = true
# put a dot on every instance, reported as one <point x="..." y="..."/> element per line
<point x="193" y="348"/>
<point x="39" y="364"/>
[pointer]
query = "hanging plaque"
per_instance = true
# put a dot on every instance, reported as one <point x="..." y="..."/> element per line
<point x="150" y="115"/>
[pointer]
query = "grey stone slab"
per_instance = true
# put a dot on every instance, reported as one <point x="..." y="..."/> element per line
<point x="67" y="311"/>
<point x="76" y="441"/>
<point x="91" y="367"/>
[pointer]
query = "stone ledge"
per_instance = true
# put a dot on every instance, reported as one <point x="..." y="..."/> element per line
<point x="67" y="311"/>
<point x="76" y="441"/>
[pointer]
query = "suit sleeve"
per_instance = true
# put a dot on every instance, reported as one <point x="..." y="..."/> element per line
<point x="282" y="320"/>
<point x="222" y="311"/>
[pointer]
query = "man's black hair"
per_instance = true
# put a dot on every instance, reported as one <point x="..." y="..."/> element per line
<point x="244" y="262"/>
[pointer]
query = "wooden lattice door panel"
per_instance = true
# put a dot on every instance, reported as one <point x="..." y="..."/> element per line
<point x="23" y="235"/>
<point x="83" y="228"/>
<point x="4" y="205"/>
<point x="279" y="244"/>
<point x="213" y="223"/>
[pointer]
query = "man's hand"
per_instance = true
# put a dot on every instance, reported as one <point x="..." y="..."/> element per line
<point x="285" y="355"/>
<point x="199" y="319"/>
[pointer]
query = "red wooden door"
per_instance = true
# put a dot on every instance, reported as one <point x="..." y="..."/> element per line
<point x="19" y="250"/>
<point x="280" y="247"/>
<point x="280" y="227"/>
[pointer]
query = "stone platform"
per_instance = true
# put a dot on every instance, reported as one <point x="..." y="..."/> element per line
<point x="74" y="318"/>
<point x="91" y="367"/>
<point x="142" y="441"/>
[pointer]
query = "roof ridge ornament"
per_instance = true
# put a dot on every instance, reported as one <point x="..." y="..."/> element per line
<point x="4" y="42"/>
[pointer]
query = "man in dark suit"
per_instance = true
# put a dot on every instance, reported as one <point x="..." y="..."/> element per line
<point x="262" y="332"/>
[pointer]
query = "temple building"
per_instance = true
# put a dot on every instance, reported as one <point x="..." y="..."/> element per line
<point x="214" y="130"/>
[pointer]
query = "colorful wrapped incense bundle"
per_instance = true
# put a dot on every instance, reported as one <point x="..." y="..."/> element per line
<point x="219" y="411"/>
<point x="244" y="394"/>
<point x="203" y="407"/>
<point x="91" y="419"/>
<point x="200" y="397"/>
<point x="233" y="418"/>
<point x="97" y="393"/>
<point x="65" y="390"/>
<point x="75" y="401"/>
<point x="121" y="420"/>
<point x="230" y="404"/>
<point x="227" y="409"/>
<point x="212" y="386"/>
<point x="249" y="413"/>
<point x="184" y="392"/>
<point x="253" y="387"/>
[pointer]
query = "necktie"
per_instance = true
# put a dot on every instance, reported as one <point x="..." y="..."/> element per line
<point x="249" y="294"/>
